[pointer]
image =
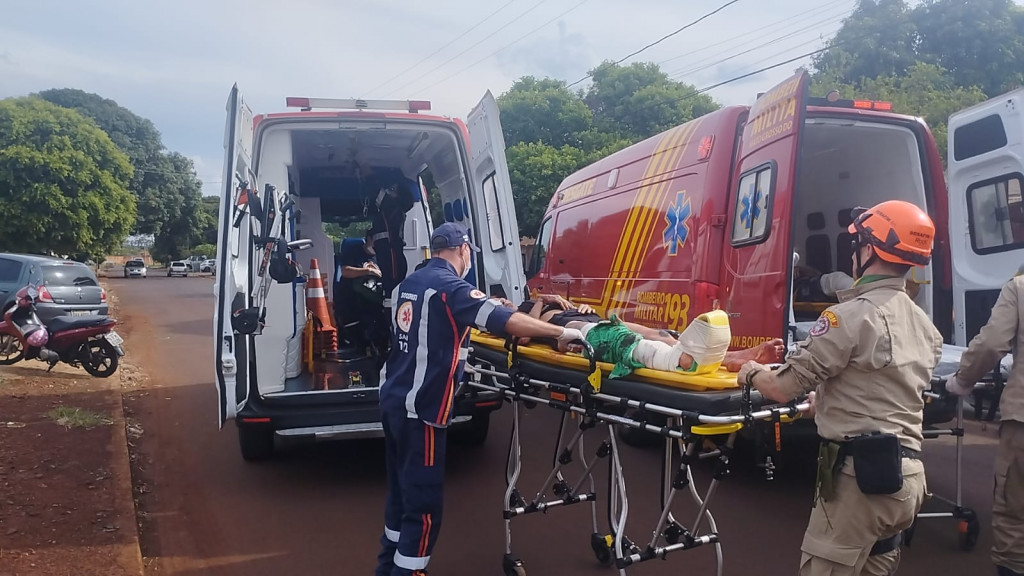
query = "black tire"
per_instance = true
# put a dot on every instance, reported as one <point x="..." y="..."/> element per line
<point x="255" y="442"/>
<point x="8" y="359"/>
<point x="474" y="432"/>
<point x="99" y="358"/>
<point x="968" y="539"/>
<point x="599" y="544"/>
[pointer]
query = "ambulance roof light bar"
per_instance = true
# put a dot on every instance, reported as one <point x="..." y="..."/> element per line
<point x="307" y="104"/>
<point x="833" y="100"/>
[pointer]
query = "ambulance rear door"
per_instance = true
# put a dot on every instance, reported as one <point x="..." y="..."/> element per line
<point x="230" y="290"/>
<point x="986" y="209"/>
<point x="757" y="264"/>
<point x="496" y="230"/>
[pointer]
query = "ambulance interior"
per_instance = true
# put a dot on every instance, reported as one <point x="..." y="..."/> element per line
<point x="846" y="164"/>
<point x="361" y="175"/>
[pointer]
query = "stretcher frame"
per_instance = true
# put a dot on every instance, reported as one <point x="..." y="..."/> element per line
<point x="685" y="433"/>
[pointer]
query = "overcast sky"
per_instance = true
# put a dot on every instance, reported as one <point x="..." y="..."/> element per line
<point x="174" y="61"/>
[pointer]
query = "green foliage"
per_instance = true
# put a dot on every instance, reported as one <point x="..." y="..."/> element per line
<point x="64" y="180"/>
<point x="210" y="214"/>
<point x="536" y="170"/>
<point x="207" y="250"/>
<point x="543" y="111"/>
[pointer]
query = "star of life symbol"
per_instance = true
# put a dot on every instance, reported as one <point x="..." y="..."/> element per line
<point x="674" y="235"/>
<point x="405" y="316"/>
<point x="751" y="203"/>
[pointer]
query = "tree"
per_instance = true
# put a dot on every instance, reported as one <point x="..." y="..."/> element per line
<point x="63" y="182"/>
<point x="210" y="214"/>
<point x="178" y="200"/>
<point x="638" y="101"/>
<point x="536" y="170"/>
<point x="543" y="111"/>
<point x="878" y="39"/>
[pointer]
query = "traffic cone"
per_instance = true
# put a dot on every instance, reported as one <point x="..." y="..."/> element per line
<point x="325" y="335"/>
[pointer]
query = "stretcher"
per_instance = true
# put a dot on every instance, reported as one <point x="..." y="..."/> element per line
<point x="698" y="418"/>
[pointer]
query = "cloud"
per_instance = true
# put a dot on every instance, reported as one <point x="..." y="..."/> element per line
<point x="560" y="56"/>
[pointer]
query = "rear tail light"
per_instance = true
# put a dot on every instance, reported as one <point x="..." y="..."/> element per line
<point x="44" y="295"/>
<point x="103" y="295"/>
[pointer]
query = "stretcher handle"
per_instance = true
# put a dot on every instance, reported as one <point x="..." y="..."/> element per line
<point x="594" y="376"/>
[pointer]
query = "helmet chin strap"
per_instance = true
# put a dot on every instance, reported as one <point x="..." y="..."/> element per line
<point x="862" y="266"/>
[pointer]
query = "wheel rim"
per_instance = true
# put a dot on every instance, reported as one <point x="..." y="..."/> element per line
<point x="10" y="348"/>
<point x="100" y="359"/>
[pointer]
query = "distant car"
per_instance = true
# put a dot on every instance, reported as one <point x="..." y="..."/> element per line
<point x="208" y="265"/>
<point x="66" y="287"/>
<point x="177" y="268"/>
<point x="135" y="268"/>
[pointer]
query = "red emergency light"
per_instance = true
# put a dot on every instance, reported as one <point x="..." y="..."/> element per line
<point x="833" y="101"/>
<point x="307" y="104"/>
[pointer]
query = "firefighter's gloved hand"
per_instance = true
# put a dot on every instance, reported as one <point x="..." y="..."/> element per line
<point x="568" y="335"/>
<point x="953" y="386"/>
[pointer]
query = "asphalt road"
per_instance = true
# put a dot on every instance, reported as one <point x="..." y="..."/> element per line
<point x="319" y="509"/>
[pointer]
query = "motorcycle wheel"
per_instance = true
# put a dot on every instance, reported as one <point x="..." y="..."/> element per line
<point x="99" y="358"/>
<point x="10" y="352"/>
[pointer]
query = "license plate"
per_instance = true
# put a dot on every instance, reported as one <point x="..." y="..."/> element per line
<point x="81" y="312"/>
<point x="114" y="338"/>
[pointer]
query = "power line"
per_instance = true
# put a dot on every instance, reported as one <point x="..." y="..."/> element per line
<point x="509" y="45"/>
<point x="700" y="65"/>
<point x="663" y="38"/>
<point x="486" y="38"/>
<point x="756" y="31"/>
<point x="432" y="54"/>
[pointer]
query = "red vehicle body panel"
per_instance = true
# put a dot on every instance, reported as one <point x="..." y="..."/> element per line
<point x="645" y="233"/>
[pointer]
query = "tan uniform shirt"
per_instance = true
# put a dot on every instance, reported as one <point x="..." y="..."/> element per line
<point x="870" y="357"/>
<point x="1003" y="333"/>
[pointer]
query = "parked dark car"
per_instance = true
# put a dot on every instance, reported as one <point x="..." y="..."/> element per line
<point x="65" y="287"/>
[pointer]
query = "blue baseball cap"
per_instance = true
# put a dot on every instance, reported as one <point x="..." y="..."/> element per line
<point x="451" y="235"/>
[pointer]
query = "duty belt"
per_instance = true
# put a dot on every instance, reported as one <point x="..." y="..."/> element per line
<point x="847" y="450"/>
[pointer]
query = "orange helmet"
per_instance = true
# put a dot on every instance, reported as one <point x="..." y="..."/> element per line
<point x="899" y="231"/>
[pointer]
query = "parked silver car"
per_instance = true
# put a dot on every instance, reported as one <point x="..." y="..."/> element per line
<point x="65" y="287"/>
<point x="135" y="267"/>
<point x="177" y="268"/>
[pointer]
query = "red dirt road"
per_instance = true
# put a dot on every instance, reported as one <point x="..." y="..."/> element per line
<point x="318" y="510"/>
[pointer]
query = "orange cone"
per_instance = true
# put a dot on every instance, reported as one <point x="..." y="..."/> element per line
<point x="325" y="335"/>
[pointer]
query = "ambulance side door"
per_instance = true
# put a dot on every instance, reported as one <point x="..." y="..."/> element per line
<point x="493" y="211"/>
<point x="232" y="255"/>
<point x="986" y="208"/>
<point x="757" y="264"/>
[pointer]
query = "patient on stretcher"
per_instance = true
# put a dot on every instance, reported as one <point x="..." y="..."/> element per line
<point x="701" y="348"/>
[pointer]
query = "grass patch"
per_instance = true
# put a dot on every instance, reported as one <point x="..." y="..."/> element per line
<point x="71" y="417"/>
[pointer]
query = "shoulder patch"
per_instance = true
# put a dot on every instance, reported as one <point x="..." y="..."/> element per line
<point x="833" y="320"/>
<point x="404" y="316"/>
<point x="820" y="327"/>
<point x="477" y="294"/>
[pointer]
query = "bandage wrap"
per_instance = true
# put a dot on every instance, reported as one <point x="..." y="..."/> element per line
<point x="706" y="340"/>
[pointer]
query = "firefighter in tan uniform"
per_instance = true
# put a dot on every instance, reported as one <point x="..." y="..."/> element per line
<point x="1003" y="333"/>
<point x="867" y="361"/>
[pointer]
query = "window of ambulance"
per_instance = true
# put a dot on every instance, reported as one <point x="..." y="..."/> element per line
<point x="996" y="214"/>
<point x="540" y="249"/>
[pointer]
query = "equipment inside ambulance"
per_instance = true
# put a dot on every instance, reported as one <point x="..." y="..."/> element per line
<point x="299" y="352"/>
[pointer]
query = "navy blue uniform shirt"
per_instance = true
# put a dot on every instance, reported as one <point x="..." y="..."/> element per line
<point x="434" y="311"/>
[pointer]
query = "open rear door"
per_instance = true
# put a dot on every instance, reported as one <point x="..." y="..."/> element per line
<point x="495" y="227"/>
<point x="232" y="257"/>
<point x="986" y="210"/>
<point x="757" y="269"/>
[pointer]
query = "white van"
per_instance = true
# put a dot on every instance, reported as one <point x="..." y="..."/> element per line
<point x="339" y="161"/>
<point x="986" y="209"/>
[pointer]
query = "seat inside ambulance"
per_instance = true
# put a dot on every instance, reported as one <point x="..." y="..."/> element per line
<point x="847" y="164"/>
<point x="367" y="181"/>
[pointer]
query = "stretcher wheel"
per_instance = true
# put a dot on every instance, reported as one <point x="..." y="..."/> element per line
<point x="601" y="545"/>
<point x="512" y="566"/>
<point x="968" y="529"/>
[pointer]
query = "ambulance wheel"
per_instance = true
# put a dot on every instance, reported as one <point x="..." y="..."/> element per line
<point x="255" y="442"/>
<point x="512" y="566"/>
<point x="474" y="432"/>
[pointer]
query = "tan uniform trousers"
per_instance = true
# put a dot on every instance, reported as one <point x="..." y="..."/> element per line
<point x="842" y="531"/>
<point x="1008" y="498"/>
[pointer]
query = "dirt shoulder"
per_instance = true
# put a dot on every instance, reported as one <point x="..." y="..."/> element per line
<point x="65" y="482"/>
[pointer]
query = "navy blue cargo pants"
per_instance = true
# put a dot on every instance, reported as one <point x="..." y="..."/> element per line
<point x="412" y="518"/>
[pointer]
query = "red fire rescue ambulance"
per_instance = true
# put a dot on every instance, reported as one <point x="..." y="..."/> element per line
<point x="714" y="213"/>
<point x="346" y="162"/>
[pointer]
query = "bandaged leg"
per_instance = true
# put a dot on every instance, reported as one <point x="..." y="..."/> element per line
<point x="657" y="355"/>
<point x="706" y="340"/>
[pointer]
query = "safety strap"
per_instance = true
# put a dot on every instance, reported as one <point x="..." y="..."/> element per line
<point x="886" y="545"/>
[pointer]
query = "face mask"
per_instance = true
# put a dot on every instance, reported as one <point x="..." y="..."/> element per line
<point x="465" y="268"/>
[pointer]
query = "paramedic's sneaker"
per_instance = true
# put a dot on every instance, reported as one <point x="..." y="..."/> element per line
<point x="766" y="353"/>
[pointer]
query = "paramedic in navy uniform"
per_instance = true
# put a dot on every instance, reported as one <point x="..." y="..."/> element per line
<point x="434" y="311"/>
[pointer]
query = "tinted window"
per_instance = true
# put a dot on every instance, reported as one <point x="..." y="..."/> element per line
<point x="978" y="137"/>
<point x="753" y="203"/>
<point x="10" y="270"/>
<point x="540" y="249"/>
<point x="996" y="213"/>
<point x="493" y="214"/>
<point x="64" y="275"/>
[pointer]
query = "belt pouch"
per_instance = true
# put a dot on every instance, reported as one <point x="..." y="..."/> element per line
<point x="877" y="463"/>
<point x="829" y="462"/>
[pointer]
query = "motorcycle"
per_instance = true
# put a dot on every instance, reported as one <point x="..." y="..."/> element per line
<point x="86" y="340"/>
